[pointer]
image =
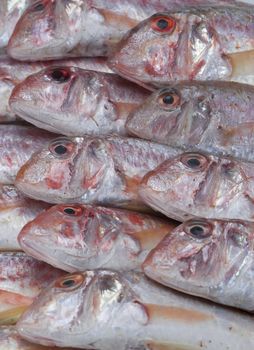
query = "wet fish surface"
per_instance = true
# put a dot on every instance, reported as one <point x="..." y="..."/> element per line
<point x="212" y="259"/>
<point x="11" y="340"/>
<point x="17" y="144"/>
<point x="21" y="279"/>
<point x="79" y="237"/>
<point x="91" y="170"/>
<point x="198" y="185"/>
<point x="76" y="102"/>
<point x="216" y="118"/>
<point x="10" y="12"/>
<point x="15" y="211"/>
<point x="13" y="72"/>
<point x="104" y="310"/>
<point x="209" y="43"/>
<point x="91" y="27"/>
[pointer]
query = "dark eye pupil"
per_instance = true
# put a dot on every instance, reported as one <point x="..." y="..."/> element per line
<point x="193" y="162"/>
<point x="68" y="283"/>
<point x="39" y="7"/>
<point x="162" y="24"/>
<point x="197" y="231"/>
<point x="60" y="76"/>
<point x="60" y="149"/>
<point x="69" y="211"/>
<point x="168" y="99"/>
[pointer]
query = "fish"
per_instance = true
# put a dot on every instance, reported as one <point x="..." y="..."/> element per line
<point x="51" y="29"/>
<point x="206" y="43"/>
<point x="209" y="258"/>
<point x="210" y="117"/>
<point x="104" y="309"/>
<point x="17" y="144"/>
<point x="10" y="12"/>
<point x="200" y="185"/>
<point x="11" y="340"/>
<point x="13" y="72"/>
<point x="21" y="279"/>
<point x="91" y="170"/>
<point x="76" y="102"/>
<point x="79" y="237"/>
<point x="15" y="211"/>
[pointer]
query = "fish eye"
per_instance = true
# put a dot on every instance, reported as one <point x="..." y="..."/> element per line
<point x="73" y="210"/>
<point x="169" y="100"/>
<point x="70" y="283"/>
<point x="198" y="229"/>
<point x="60" y="75"/>
<point x="61" y="148"/>
<point x="39" y="7"/>
<point x="163" y="24"/>
<point x="194" y="161"/>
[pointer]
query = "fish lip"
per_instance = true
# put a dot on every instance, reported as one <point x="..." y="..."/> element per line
<point x="23" y="330"/>
<point x="48" y="259"/>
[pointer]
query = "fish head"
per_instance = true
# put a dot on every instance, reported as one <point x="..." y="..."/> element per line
<point x="194" y="184"/>
<point x="175" y="181"/>
<point x="176" y="115"/>
<point x="65" y="170"/>
<point x="171" y="46"/>
<point x="56" y="97"/>
<point x="46" y="30"/>
<point x="70" y="236"/>
<point x="82" y="309"/>
<point x="202" y="255"/>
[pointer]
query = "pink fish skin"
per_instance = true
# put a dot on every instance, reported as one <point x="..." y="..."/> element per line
<point x="21" y="280"/>
<point x="214" y="43"/>
<point x="15" y="211"/>
<point x="79" y="237"/>
<point x="212" y="117"/>
<point x="91" y="170"/>
<point x="17" y="144"/>
<point x="53" y="29"/>
<point x="198" y="185"/>
<point x="212" y="259"/>
<point x="10" y="12"/>
<point x="76" y="102"/>
<point x="14" y="72"/>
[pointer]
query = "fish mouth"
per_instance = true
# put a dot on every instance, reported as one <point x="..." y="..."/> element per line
<point x="24" y="329"/>
<point x="24" y="114"/>
<point x="152" y="200"/>
<point x="36" y="252"/>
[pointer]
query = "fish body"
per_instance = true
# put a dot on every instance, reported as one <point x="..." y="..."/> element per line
<point x="70" y="28"/>
<point x="198" y="185"/>
<point x="76" y="102"/>
<point x="11" y="340"/>
<point x="101" y="309"/>
<point x="21" y="279"/>
<point x="15" y="212"/>
<point x="209" y="43"/>
<point x="13" y="73"/>
<point x="80" y="237"/>
<point x="91" y="170"/>
<point x="17" y="144"/>
<point x="216" y="118"/>
<point x="212" y="259"/>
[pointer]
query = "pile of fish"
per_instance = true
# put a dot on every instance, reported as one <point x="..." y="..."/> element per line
<point x="126" y="174"/>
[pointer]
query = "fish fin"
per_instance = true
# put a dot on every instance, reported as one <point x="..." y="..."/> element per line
<point x="169" y="346"/>
<point x="10" y="317"/>
<point x="115" y="19"/>
<point x="178" y="314"/>
<point x="242" y="65"/>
